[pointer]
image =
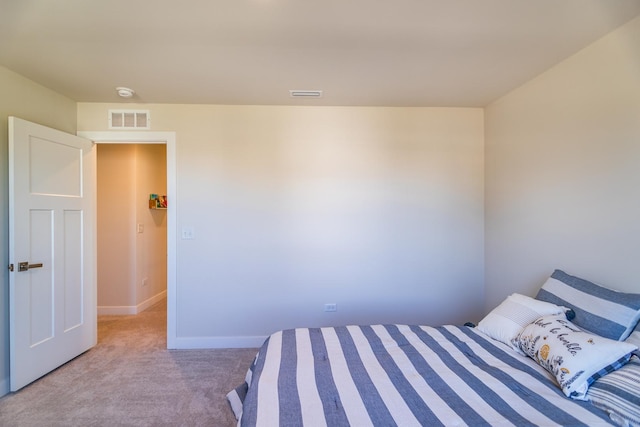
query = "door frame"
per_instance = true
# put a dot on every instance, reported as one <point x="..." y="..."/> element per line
<point x="169" y="139"/>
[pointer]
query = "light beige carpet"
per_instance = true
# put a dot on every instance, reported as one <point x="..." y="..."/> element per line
<point x="131" y="379"/>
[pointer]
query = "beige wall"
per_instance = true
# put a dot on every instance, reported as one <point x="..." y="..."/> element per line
<point x="562" y="172"/>
<point x="127" y="174"/>
<point x="22" y="98"/>
<point x="116" y="225"/>
<point x="151" y="245"/>
<point x="379" y="210"/>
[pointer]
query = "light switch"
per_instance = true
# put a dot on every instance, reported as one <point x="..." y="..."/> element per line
<point x="140" y="228"/>
<point x="187" y="233"/>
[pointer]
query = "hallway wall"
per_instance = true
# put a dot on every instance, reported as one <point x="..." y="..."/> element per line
<point x="131" y="237"/>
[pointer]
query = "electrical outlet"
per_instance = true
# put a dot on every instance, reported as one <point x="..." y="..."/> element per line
<point x="144" y="281"/>
<point x="331" y="307"/>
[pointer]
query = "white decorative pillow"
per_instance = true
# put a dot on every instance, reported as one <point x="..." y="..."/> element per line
<point x="508" y="319"/>
<point x="576" y="358"/>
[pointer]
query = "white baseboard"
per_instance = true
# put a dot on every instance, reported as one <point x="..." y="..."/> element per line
<point x="187" y="343"/>
<point x="113" y="310"/>
<point x="151" y="301"/>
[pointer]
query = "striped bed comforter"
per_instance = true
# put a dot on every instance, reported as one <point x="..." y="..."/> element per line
<point x="403" y="375"/>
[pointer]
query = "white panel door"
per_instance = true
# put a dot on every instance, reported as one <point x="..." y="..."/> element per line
<point x="52" y="285"/>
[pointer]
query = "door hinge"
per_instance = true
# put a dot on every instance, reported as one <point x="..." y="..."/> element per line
<point x="10" y="267"/>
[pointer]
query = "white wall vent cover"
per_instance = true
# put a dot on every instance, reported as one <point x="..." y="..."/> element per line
<point x="129" y="119"/>
<point x="305" y="93"/>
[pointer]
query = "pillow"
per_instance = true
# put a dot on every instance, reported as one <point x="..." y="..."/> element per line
<point x="576" y="358"/>
<point x="600" y="310"/>
<point x="634" y="339"/>
<point x="619" y="394"/>
<point x="508" y="319"/>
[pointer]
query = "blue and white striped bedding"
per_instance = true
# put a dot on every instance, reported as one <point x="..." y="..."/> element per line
<point x="619" y="394"/>
<point x="400" y="375"/>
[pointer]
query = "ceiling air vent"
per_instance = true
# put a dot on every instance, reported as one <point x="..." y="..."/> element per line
<point x="129" y="119"/>
<point x="305" y="93"/>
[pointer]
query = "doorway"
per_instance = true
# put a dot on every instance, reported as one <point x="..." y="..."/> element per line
<point x="131" y="232"/>
<point x="169" y="140"/>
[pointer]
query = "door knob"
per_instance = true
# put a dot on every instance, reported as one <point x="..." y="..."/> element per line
<point x="25" y="266"/>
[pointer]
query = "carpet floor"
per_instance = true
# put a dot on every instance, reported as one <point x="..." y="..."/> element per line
<point x="130" y="379"/>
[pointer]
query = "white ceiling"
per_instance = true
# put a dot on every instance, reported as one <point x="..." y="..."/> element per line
<point x="359" y="52"/>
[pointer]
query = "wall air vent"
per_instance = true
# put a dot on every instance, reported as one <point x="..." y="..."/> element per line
<point x="129" y="119"/>
<point x="305" y="93"/>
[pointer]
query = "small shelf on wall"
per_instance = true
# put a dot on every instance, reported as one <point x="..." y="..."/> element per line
<point x="157" y="202"/>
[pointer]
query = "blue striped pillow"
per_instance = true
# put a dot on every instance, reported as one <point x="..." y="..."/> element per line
<point x="618" y="393"/>
<point x="599" y="310"/>
<point x="634" y="339"/>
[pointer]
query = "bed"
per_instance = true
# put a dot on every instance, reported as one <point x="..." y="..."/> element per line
<point x="451" y="375"/>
